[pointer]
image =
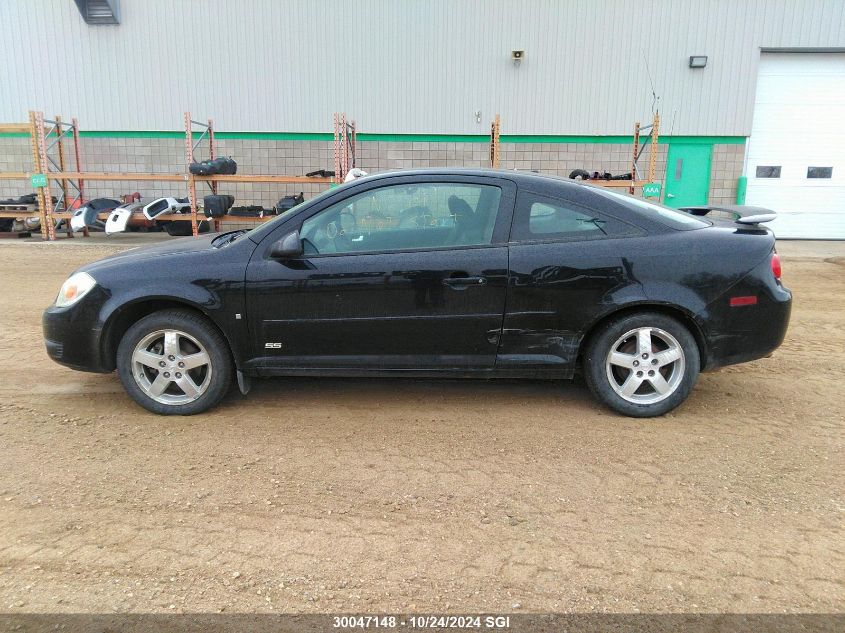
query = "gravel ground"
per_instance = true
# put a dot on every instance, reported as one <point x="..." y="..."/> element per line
<point x="315" y="495"/>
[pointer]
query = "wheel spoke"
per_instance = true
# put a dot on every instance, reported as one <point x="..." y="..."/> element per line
<point x="171" y="367"/>
<point x="668" y="356"/>
<point x="644" y="341"/>
<point x="187" y="385"/>
<point x="159" y="385"/>
<point x="171" y="343"/>
<point x="622" y="360"/>
<point x="195" y="360"/>
<point x="653" y="350"/>
<point x="147" y="358"/>
<point x="631" y="384"/>
<point x="659" y="383"/>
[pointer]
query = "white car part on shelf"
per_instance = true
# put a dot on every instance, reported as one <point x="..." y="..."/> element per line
<point x="163" y="206"/>
<point x="119" y="218"/>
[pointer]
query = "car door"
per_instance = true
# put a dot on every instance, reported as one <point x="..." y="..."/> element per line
<point x="408" y="273"/>
<point x="567" y="261"/>
<point x="687" y="175"/>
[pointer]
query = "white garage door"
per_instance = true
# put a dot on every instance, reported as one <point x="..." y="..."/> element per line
<point x="796" y="154"/>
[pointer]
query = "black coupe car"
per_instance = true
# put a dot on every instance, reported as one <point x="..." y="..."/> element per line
<point x="458" y="273"/>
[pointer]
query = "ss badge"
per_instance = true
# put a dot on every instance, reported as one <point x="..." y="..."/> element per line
<point x="272" y="346"/>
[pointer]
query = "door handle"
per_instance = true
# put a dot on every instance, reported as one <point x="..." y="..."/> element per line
<point x="670" y="195"/>
<point x="464" y="282"/>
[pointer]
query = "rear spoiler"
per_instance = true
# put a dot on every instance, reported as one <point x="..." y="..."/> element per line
<point x="741" y="214"/>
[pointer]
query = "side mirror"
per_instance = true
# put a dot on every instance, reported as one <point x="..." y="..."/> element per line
<point x="288" y="247"/>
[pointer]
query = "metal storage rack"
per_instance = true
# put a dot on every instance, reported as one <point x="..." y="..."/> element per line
<point x="55" y="169"/>
<point x="345" y="138"/>
<point x="495" y="127"/>
<point x="637" y="179"/>
<point x="48" y="136"/>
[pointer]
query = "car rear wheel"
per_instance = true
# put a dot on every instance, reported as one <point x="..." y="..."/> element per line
<point x="174" y="362"/>
<point x="642" y="365"/>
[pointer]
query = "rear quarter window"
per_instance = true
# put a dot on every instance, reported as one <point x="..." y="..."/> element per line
<point x="542" y="218"/>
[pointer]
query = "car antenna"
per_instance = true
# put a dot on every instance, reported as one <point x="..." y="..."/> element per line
<point x="654" y="97"/>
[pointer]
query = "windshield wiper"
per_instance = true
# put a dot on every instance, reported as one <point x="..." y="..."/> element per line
<point x="227" y="238"/>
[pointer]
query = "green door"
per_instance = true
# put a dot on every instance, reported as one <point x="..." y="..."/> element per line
<point x="687" y="174"/>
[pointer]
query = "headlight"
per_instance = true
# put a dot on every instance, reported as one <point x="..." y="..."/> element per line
<point x="77" y="286"/>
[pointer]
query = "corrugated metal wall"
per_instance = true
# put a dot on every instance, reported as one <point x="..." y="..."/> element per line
<point x="403" y="66"/>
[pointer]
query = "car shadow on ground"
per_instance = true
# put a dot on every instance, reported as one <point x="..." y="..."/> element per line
<point x="306" y="390"/>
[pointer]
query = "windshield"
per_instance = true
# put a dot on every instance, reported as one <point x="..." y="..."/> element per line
<point x="257" y="234"/>
<point x="666" y="215"/>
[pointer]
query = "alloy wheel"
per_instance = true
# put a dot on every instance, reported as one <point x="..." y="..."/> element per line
<point x="645" y="365"/>
<point x="171" y="367"/>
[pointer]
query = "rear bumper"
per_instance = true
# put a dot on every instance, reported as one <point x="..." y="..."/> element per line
<point x="746" y="333"/>
<point x="72" y="338"/>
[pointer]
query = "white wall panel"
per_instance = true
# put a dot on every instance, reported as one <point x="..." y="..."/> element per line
<point x="403" y="66"/>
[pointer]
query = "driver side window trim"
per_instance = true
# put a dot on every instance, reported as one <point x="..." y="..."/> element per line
<point x="497" y="236"/>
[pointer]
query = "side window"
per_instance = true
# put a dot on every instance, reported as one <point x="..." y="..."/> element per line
<point x="767" y="171"/>
<point x="819" y="172"/>
<point x="538" y="218"/>
<point x="401" y="217"/>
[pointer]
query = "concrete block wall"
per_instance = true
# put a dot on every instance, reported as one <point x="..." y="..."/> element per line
<point x="726" y="167"/>
<point x="295" y="157"/>
<point x="548" y="158"/>
<point x="15" y="156"/>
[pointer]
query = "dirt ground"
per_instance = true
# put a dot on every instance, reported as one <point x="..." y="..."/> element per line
<point x="316" y="495"/>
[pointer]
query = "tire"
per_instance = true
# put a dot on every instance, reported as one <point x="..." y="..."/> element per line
<point x="174" y="362"/>
<point x="642" y="365"/>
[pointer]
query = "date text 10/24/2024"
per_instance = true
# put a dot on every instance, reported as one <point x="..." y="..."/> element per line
<point x="421" y="622"/>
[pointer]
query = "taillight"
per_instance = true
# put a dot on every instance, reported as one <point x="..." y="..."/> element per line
<point x="776" y="270"/>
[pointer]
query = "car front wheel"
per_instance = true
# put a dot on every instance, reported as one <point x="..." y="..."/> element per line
<point x="174" y="362"/>
<point x="642" y="365"/>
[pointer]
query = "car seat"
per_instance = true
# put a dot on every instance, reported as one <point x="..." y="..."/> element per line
<point x="469" y="226"/>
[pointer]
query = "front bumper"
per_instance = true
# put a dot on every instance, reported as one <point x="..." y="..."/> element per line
<point x="73" y="337"/>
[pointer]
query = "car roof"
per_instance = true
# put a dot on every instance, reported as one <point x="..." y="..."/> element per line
<point x="523" y="177"/>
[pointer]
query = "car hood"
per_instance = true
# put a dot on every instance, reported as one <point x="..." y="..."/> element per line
<point x="171" y="247"/>
<point x="182" y="249"/>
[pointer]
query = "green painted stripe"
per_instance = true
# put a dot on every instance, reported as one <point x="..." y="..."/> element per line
<point x="129" y="134"/>
<point x="276" y="136"/>
<point x="260" y="136"/>
<point x="407" y="138"/>
<point x="624" y="140"/>
<point x="425" y="138"/>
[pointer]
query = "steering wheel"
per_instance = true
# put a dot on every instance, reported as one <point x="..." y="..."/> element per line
<point x="338" y="235"/>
